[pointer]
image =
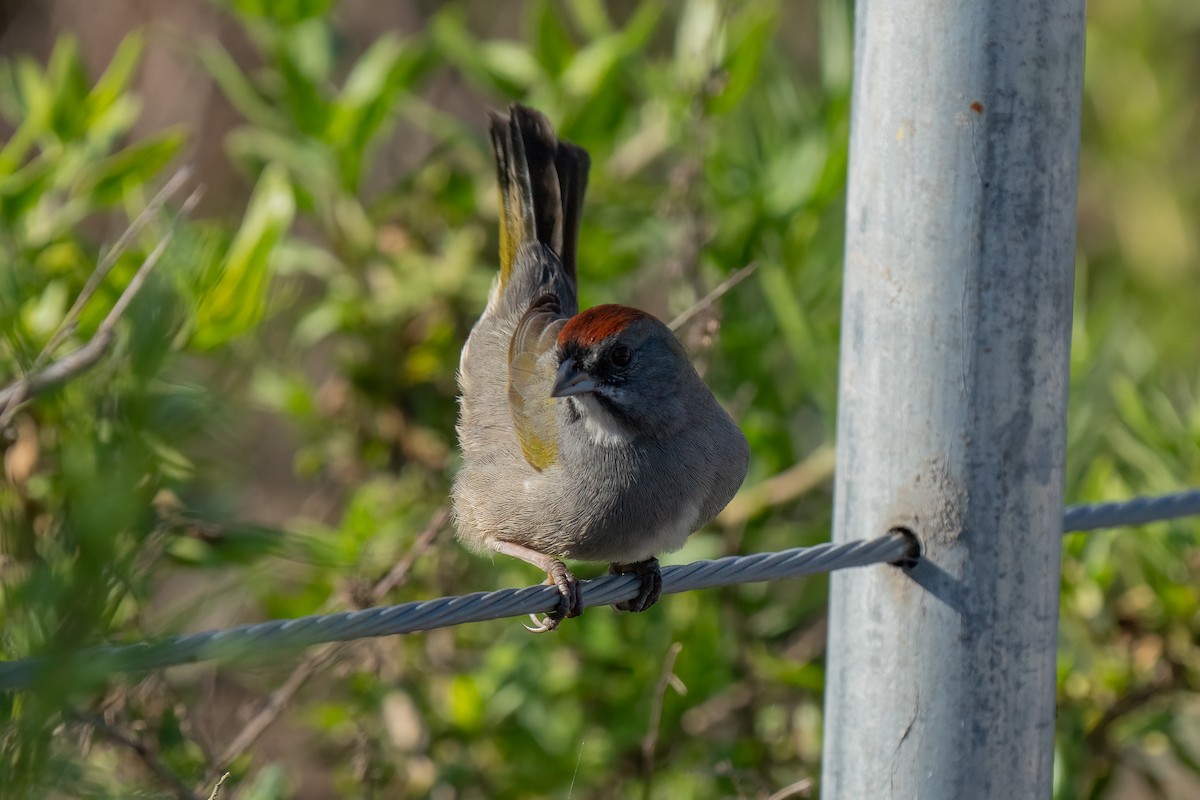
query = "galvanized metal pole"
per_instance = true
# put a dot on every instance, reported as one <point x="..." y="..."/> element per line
<point x="957" y="318"/>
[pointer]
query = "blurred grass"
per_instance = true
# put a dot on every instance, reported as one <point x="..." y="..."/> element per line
<point x="275" y="425"/>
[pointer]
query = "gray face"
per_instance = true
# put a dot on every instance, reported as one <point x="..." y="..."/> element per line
<point x="639" y="378"/>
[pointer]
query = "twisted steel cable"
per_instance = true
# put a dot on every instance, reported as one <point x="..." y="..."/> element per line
<point x="248" y="641"/>
<point x="1137" y="511"/>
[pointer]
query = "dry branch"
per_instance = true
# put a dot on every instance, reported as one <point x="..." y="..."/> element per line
<point x="143" y="751"/>
<point x="88" y="355"/>
<point x="713" y="296"/>
<point x="315" y="660"/>
<point x="667" y="678"/>
<point x="793" y="482"/>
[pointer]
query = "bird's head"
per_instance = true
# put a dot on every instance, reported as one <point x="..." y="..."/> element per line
<point x="624" y="370"/>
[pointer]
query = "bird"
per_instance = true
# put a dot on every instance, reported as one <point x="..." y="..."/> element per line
<point x="586" y="436"/>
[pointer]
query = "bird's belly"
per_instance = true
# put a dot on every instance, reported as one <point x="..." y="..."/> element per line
<point x="671" y="534"/>
<point x="637" y="528"/>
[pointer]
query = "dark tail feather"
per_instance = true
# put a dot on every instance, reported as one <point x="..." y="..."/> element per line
<point x="572" y="163"/>
<point x="542" y="182"/>
<point x="516" y="203"/>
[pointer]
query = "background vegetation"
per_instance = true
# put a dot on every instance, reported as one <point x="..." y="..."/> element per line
<point x="270" y="429"/>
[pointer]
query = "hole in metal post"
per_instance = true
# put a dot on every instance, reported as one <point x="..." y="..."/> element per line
<point x="915" y="548"/>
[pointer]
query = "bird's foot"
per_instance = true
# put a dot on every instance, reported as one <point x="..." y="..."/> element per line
<point x="651" y="583"/>
<point x="557" y="574"/>
<point x="570" y="603"/>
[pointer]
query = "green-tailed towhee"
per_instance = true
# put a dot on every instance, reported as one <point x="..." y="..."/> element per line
<point x="586" y="435"/>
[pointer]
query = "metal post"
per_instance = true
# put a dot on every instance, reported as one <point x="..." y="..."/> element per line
<point x="956" y="329"/>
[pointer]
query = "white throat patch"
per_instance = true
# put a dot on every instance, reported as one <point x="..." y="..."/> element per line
<point x="605" y="429"/>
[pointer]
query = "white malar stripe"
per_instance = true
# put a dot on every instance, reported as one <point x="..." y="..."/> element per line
<point x="605" y="429"/>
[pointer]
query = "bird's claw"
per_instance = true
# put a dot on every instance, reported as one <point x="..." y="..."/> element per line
<point x="651" y="583"/>
<point x="570" y="602"/>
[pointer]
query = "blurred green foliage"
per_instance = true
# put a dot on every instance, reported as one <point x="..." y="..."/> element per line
<point x="84" y="467"/>
<point x="1129" y="666"/>
<point x="326" y="323"/>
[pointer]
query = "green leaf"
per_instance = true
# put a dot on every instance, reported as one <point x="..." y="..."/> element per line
<point x="69" y="81"/>
<point x="303" y="61"/>
<point x="225" y="543"/>
<point x="238" y="89"/>
<point x="115" y="80"/>
<point x="171" y="462"/>
<point x="155" y="317"/>
<point x="43" y="315"/>
<point x="700" y="42"/>
<point x="283" y="12"/>
<point x="10" y="95"/>
<point x="551" y="43"/>
<point x="752" y="30"/>
<point x="510" y="62"/>
<point x="793" y="172"/>
<point x="367" y="101"/>
<point x="451" y="39"/>
<point x="1183" y="752"/>
<point x="466" y="702"/>
<point x="789" y="314"/>
<point x="313" y="171"/>
<point x="21" y="84"/>
<point x="592" y="17"/>
<point x="837" y="44"/>
<point x="37" y="96"/>
<point x="370" y="79"/>
<point x="21" y="191"/>
<point x="136" y="165"/>
<point x="591" y="66"/>
<point x="596" y="62"/>
<point x="235" y="304"/>
<point x="641" y="26"/>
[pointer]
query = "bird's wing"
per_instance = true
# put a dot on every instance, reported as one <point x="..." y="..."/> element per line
<point x="532" y="367"/>
<point x="542" y="182"/>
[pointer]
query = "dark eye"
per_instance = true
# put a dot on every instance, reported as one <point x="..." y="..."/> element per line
<point x="620" y="356"/>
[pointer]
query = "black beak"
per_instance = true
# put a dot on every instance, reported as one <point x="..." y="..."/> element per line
<point x="572" y="380"/>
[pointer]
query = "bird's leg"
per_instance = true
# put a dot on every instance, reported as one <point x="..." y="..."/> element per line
<point x="557" y="574"/>
<point x="650" y="576"/>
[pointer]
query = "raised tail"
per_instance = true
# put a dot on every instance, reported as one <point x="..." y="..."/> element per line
<point x="542" y="184"/>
